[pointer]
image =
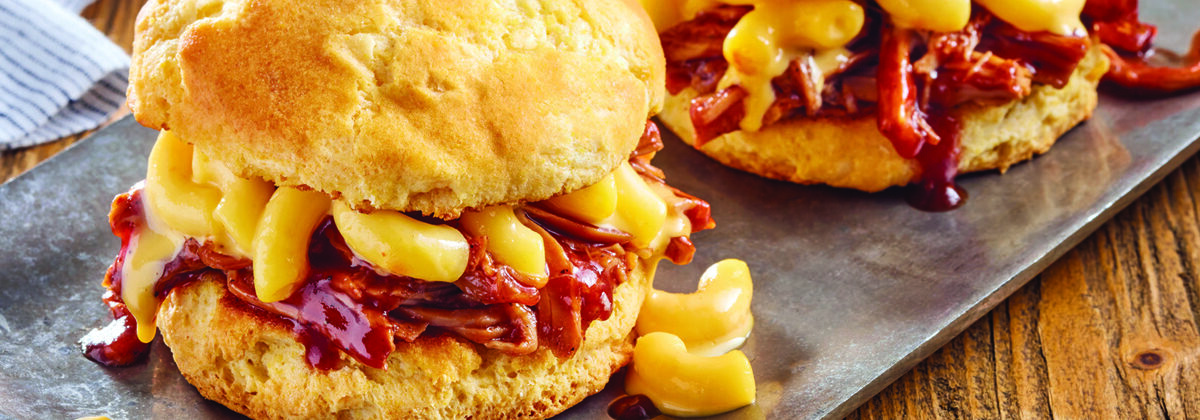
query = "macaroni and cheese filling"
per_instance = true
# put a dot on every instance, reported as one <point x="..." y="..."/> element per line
<point x="512" y="278"/>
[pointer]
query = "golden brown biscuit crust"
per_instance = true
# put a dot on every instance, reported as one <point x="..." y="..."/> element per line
<point x="423" y="106"/>
<point x="852" y="153"/>
<point x="254" y="365"/>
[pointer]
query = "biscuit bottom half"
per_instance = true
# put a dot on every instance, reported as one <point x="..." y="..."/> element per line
<point x="850" y="152"/>
<point x="251" y="362"/>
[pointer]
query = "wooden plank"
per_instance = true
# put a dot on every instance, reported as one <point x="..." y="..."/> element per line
<point x="1108" y="331"/>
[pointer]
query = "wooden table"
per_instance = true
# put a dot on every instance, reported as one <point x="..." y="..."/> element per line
<point x="1108" y="331"/>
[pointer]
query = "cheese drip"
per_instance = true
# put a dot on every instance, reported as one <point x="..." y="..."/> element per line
<point x="713" y="320"/>
<point x="150" y="248"/>
<point x="685" y="384"/>
<point x="188" y="195"/>
<point x="176" y="207"/>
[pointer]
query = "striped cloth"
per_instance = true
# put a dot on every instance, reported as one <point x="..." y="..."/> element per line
<point x="58" y="74"/>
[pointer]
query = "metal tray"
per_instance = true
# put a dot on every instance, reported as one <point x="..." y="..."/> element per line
<point x="852" y="289"/>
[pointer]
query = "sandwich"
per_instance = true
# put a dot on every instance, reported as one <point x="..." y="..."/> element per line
<point x="870" y="94"/>
<point x="380" y="209"/>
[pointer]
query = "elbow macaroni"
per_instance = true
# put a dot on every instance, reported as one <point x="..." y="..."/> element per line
<point x="685" y="361"/>
<point x="687" y="385"/>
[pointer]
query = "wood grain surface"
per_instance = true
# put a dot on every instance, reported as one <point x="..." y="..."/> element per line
<point x="1108" y="331"/>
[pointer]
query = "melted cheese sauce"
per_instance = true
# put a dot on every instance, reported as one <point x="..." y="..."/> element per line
<point x="188" y="195"/>
<point x="930" y="15"/>
<point x="768" y="38"/>
<point x="1060" y="17"/>
<point x="151" y="246"/>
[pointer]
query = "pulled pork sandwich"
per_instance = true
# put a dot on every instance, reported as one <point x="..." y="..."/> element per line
<point x="872" y="94"/>
<point x="382" y="209"/>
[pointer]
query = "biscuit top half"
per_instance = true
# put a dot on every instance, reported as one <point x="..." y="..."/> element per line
<point x="419" y="105"/>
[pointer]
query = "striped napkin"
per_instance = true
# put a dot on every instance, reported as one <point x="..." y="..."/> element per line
<point x="58" y="74"/>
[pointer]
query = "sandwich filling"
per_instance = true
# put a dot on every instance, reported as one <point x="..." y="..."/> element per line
<point x="754" y="63"/>
<point x="511" y="278"/>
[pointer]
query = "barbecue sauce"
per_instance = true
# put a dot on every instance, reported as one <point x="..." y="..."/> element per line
<point x="116" y="344"/>
<point x="937" y="191"/>
<point x="633" y="407"/>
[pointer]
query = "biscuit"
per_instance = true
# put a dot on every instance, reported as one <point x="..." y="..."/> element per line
<point x="413" y="106"/>
<point x="850" y="152"/>
<point x="248" y="361"/>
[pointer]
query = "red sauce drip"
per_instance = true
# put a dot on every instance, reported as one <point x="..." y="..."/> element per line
<point x="117" y="343"/>
<point x="319" y="351"/>
<point x="319" y="309"/>
<point x="937" y="191"/>
<point x="321" y="346"/>
<point x="900" y="118"/>
<point x="1134" y="75"/>
<point x="633" y="407"/>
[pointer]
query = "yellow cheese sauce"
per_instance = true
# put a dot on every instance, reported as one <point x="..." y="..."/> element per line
<point x="686" y="360"/>
<point x="150" y="248"/>
<point x="187" y="195"/>
<point x="761" y="45"/>
<point x="930" y="15"/>
<point x="1060" y="17"/>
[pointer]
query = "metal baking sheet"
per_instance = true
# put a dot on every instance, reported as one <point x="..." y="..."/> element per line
<point x="852" y="289"/>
